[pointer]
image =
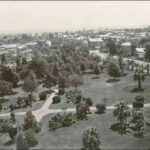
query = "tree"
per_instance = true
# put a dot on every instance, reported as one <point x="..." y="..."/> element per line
<point x="12" y="127"/>
<point x="111" y="47"/>
<point x="121" y="65"/>
<point x="3" y="59"/>
<point x="24" y="61"/>
<point x="91" y="139"/>
<point x="30" y="84"/>
<point x="10" y="76"/>
<point x="82" y="67"/>
<point x="76" y="80"/>
<point x="97" y="70"/>
<point x="113" y="70"/>
<point x="139" y="77"/>
<point x="5" y="88"/>
<point x="137" y="123"/>
<point x="55" y="70"/>
<point x="38" y="65"/>
<point x="31" y="137"/>
<point x="30" y="121"/>
<point x="122" y="112"/>
<point x="147" y="53"/>
<point x="81" y="110"/>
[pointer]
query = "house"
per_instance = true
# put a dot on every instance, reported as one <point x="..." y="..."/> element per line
<point x="140" y="53"/>
<point x="126" y="49"/>
<point x="95" y="43"/>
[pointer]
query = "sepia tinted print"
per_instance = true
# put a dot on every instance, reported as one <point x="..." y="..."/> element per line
<point x="74" y="75"/>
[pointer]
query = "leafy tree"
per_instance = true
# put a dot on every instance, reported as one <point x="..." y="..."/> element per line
<point x="49" y="80"/>
<point x="139" y="77"/>
<point x="113" y="70"/>
<point x="5" y="88"/>
<point x="55" y="70"/>
<point x="76" y="80"/>
<point x="121" y="65"/>
<point x="30" y="121"/>
<point x="38" y="65"/>
<point x="30" y="84"/>
<point x="3" y="59"/>
<point x="97" y="70"/>
<point x="91" y="139"/>
<point x="10" y="76"/>
<point x="122" y="112"/>
<point x="82" y="67"/>
<point x="62" y="82"/>
<point x="111" y="47"/>
<point x="24" y="61"/>
<point x="82" y="110"/>
<point x="147" y="53"/>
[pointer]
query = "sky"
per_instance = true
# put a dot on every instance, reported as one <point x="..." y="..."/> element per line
<point x="53" y="16"/>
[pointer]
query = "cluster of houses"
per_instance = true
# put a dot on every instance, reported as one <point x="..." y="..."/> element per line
<point x="95" y="41"/>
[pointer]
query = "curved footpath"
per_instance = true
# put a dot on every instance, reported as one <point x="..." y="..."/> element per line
<point x="44" y="110"/>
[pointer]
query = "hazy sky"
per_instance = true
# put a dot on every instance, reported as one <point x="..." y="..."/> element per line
<point x="36" y="16"/>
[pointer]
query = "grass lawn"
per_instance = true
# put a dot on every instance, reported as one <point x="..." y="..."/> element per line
<point x="70" y="137"/>
<point x="99" y="88"/>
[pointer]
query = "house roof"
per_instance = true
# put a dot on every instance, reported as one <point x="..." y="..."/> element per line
<point x="140" y="50"/>
<point x="95" y="40"/>
<point x="126" y="44"/>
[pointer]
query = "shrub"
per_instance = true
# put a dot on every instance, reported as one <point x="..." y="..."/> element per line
<point x="89" y="101"/>
<point x="5" y="88"/>
<point x="56" y="99"/>
<point x="139" y="98"/>
<point x="42" y="96"/>
<point x="72" y="95"/>
<point x="12" y="107"/>
<point x="139" y="102"/>
<point x="61" y="91"/>
<point x="91" y="139"/>
<point x="4" y="126"/>
<point x="101" y="108"/>
<point x="12" y="131"/>
<point x="61" y="120"/>
<point x="137" y="123"/>
<point x="31" y="138"/>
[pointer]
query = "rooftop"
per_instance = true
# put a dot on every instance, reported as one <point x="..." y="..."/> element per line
<point x="140" y="50"/>
<point x="126" y="44"/>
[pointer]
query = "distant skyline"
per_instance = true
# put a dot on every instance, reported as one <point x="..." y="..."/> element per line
<point x="53" y="16"/>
